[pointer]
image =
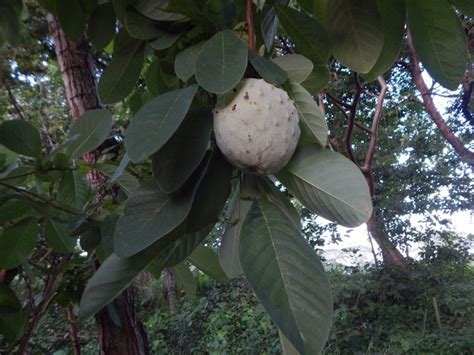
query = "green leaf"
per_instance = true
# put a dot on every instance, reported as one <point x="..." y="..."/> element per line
<point x="185" y="279"/>
<point x="206" y="260"/>
<point x="297" y="66"/>
<point x="318" y="80"/>
<point x="9" y="157"/>
<point x="13" y="209"/>
<point x="229" y="250"/>
<point x="92" y="129"/>
<point x="287" y="276"/>
<point x="211" y="195"/>
<point x="107" y="230"/>
<point x="123" y="71"/>
<point x="185" y="61"/>
<point x="439" y="39"/>
<point x="101" y="27"/>
<point x="10" y="25"/>
<point x="12" y="316"/>
<point x="269" y="23"/>
<point x="21" y="137"/>
<point x="116" y="273"/>
<point x="156" y="122"/>
<point x="175" y="162"/>
<point x="286" y="346"/>
<point x="221" y="63"/>
<point x="157" y="10"/>
<point x="308" y="35"/>
<point x="58" y="236"/>
<point x="465" y="6"/>
<point x="141" y="27"/>
<point x="311" y="116"/>
<point x="72" y="18"/>
<point x="393" y="15"/>
<point x="356" y="33"/>
<point x="74" y="190"/>
<point x="17" y="242"/>
<point x="267" y="69"/>
<point x="165" y="40"/>
<point x="329" y="185"/>
<point x="150" y="215"/>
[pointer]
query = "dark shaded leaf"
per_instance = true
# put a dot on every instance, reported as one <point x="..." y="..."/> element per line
<point x="21" y="137"/>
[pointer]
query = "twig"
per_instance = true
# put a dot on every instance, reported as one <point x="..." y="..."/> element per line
<point x="431" y="109"/>
<point x="250" y="25"/>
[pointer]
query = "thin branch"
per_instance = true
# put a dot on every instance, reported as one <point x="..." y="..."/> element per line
<point x="362" y="127"/>
<point x="464" y="153"/>
<point x="73" y="329"/>
<point x="287" y="49"/>
<point x="250" y="25"/>
<point x="350" y="123"/>
<point x="367" y="167"/>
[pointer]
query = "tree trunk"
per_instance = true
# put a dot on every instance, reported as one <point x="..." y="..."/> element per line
<point x="170" y="289"/>
<point x="78" y="73"/>
<point x="391" y="255"/>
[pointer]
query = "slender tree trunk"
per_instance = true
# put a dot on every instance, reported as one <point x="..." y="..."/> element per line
<point x="78" y="73"/>
<point x="170" y="289"/>
<point x="71" y="319"/>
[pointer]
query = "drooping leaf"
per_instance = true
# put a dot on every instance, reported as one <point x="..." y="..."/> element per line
<point x="12" y="316"/>
<point x="439" y="39"/>
<point x="287" y="276"/>
<point x="175" y="162"/>
<point x="120" y="76"/>
<point x="308" y="35"/>
<point x="229" y="249"/>
<point x="267" y="69"/>
<point x="269" y="23"/>
<point x="101" y="27"/>
<point x="58" y="236"/>
<point x="74" y="190"/>
<point x="72" y="18"/>
<point x="206" y="260"/>
<point x="286" y="346"/>
<point x="393" y="15"/>
<point x="310" y="115"/>
<point x="107" y="230"/>
<point x="156" y="122"/>
<point x="317" y="80"/>
<point x="298" y="67"/>
<point x="13" y="209"/>
<point x="92" y="128"/>
<point x="157" y="10"/>
<point x="356" y="33"/>
<point x="221" y="63"/>
<point x="20" y="137"/>
<point x="185" y="279"/>
<point x="17" y="242"/>
<point x="139" y="26"/>
<point x="185" y="61"/>
<point x="329" y="185"/>
<point x="165" y="40"/>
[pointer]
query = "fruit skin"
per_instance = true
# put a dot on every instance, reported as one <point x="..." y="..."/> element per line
<point x="256" y="127"/>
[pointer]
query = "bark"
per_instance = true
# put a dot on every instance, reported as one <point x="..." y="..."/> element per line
<point x="391" y="255"/>
<point x="430" y="107"/>
<point x="78" y="73"/>
<point x="73" y="330"/>
<point x="170" y="289"/>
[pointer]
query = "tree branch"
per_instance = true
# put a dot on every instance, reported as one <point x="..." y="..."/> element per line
<point x="350" y="123"/>
<point x="414" y="67"/>
<point x="250" y="25"/>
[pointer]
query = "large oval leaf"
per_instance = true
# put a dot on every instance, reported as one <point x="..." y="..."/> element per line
<point x="309" y="36"/>
<point x="287" y="276"/>
<point x="393" y="15"/>
<point x="317" y="80"/>
<point x="221" y="62"/>
<point x="91" y="130"/>
<point x="356" y="33"/>
<point x="156" y="122"/>
<point x="175" y="162"/>
<point x="21" y="137"/>
<point x="12" y="316"/>
<point x="101" y="26"/>
<point x="74" y="190"/>
<point x="185" y="61"/>
<point x="311" y="117"/>
<point x="329" y="185"/>
<point x="185" y="279"/>
<point x="267" y="69"/>
<point x="206" y="260"/>
<point x="58" y="236"/>
<point x="439" y="39"/>
<point x="72" y="18"/>
<point x="120" y="76"/>
<point x="297" y="66"/>
<point x="17" y="242"/>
